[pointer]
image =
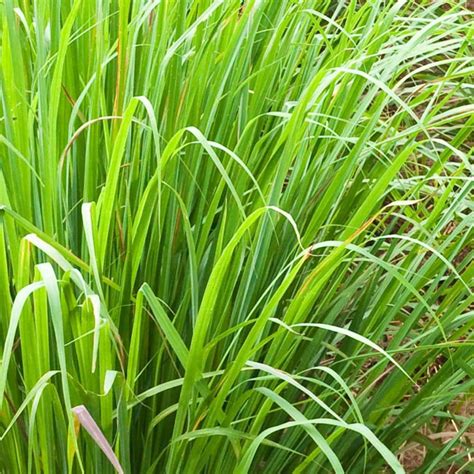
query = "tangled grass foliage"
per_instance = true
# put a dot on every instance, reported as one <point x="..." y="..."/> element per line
<point x="235" y="236"/>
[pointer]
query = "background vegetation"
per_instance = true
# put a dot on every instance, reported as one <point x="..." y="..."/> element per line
<point x="236" y="235"/>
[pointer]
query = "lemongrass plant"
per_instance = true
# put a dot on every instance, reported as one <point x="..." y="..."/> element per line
<point x="235" y="236"/>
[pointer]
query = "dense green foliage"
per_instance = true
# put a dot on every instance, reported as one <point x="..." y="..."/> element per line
<point x="239" y="233"/>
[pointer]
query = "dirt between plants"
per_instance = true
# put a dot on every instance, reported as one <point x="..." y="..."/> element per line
<point x="413" y="454"/>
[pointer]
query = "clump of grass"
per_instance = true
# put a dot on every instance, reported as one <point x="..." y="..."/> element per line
<point x="235" y="236"/>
